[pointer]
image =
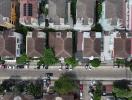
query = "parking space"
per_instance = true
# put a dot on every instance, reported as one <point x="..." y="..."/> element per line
<point x="84" y="91"/>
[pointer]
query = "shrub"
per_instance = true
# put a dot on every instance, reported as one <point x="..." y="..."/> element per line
<point x="95" y="62"/>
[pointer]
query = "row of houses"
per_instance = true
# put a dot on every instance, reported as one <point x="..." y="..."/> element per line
<point x="115" y="14"/>
<point x="117" y="44"/>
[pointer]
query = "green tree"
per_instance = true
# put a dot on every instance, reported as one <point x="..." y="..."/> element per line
<point x="1" y="89"/>
<point x="97" y="92"/>
<point x="65" y="85"/>
<point x="34" y="89"/>
<point x="22" y="59"/>
<point x="121" y="89"/>
<point x="95" y="62"/>
<point x="48" y="57"/>
<point x="71" y="61"/>
<point x="120" y="62"/>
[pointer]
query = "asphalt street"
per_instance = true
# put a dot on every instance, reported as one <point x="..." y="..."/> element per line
<point x="77" y="73"/>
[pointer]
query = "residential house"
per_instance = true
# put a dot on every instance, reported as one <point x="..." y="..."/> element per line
<point x="35" y="43"/>
<point x="122" y="45"/>
<point x="5" y="9"/>
<point x="10" y="44"/>
<point x="59" y="14"/>
<point x="29" y="12"/>
<point x="114" y="14"/>
<point x="61" y="42"/>
<point x="88" y="44"/>
<point x="85" y="14"/>
<point x="8" y="12"/>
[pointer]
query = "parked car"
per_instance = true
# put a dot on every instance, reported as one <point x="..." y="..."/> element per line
<point x="49" y="74"/>
<point x="20" y="66"/>
<point x="81" y="90"/>
<point x="87" y="67"/>
<point x="81" y="95"/>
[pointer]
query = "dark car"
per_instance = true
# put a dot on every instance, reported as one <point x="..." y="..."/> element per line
<point x="49" y="74"/>
<point x="20" y="66"/>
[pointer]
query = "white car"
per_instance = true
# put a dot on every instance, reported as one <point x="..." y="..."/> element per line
<point x="81" y="95"/>
<point x="60" y="68"/>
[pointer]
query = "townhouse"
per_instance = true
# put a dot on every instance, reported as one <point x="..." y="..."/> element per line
<point x="29" y="12"/>
<point x="88" y="45"/>
<point x="8" y="12"/>
<point x="62" y="44"/>
<point x="114" y="14"/>
<point x="35" y="43"/>
<point x="10" y="45"/>
<point x="85" y="14"/>
<point x="59" y="14"/>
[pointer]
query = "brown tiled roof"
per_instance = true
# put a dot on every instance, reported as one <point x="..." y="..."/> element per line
<point x="122" y="47"/>
<point x="7" y="44"/>
<point x="86" y="9"/>
<point x="35" y="45"/>
<point x="92" y="47"/>
<point x="57" y="10"/>
<point x="62" y="46"/>
<point x="115" y="9"/>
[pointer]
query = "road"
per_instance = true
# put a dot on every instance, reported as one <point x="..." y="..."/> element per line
<point x="77" y="73"/>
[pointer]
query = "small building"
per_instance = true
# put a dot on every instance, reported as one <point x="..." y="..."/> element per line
<point x="35" y="43"/>
<point x="59" y="14"/>
<point x="122" y="45"/>
<point x="10" y="44"/>
<point x="28" y="12"/>
<point x="85" y="14"/>
<point x="8" y="12"/>
<point x="62" y="44"/>
<point x="88" y="44"/>
<point x="114" y="14"/>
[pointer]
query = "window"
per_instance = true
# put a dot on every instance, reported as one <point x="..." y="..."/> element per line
<point x="30" y="9"/>
<point x="18" y="45"/>
<point x="17" y="40"/>
<point x="58" y="34"/>
<point x="24" y="9"/>
<point x="69" y="34"/>
<point x="18" y="52"/>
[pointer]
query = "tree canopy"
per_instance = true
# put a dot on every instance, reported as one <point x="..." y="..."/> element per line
<point x="121" y="89"/>
<point x="48" y="57"/>
<point x="98" y="91"/>
<point x="95" y="62"/>
<point x="34" y="89"/>
<point x="65" y="85"/>
<point x="22" y="59"/>
<point x="71" y="61"/>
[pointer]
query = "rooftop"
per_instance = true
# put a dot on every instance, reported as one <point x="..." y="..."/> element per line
<point x="35" y="43"/>
<point x="7" y="43"/>
<point x="57" y="10"/>
<point x="122" y="46"/>
<point x="85" y="9"/>
<point x="61" y="42"/>
<point x="115" y="9"/>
